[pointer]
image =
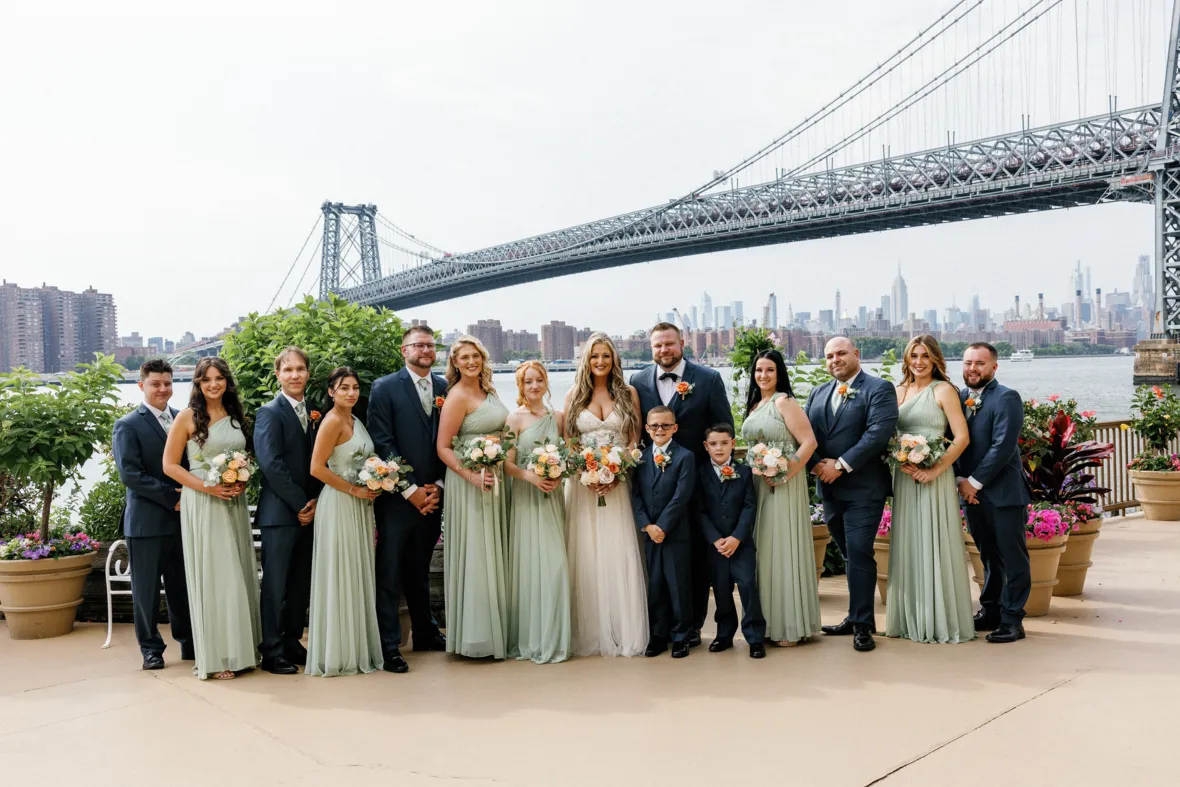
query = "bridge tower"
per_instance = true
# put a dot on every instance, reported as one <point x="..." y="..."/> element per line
<point x="335" y="274"/>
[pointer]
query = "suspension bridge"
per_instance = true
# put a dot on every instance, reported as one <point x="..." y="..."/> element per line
<point x="968" y="71"/>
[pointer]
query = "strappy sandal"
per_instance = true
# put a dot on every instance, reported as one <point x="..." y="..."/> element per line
<point x="225" y="675"/>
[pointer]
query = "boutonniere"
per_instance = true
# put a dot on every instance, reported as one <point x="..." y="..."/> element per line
<point x="847" y="391"/>
<point x="662" y="460"/>
<point x="972" y="403"/>
<point x="438" y="401"/>
<point x="685" y="389"/>
<point x="315" y="415"/>
<point x="728" y="473"/>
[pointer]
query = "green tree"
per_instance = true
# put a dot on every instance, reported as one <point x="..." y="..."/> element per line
<point x="332" y="333"/>
<point x="48" y="432"/>
<point x="521" y="355"/>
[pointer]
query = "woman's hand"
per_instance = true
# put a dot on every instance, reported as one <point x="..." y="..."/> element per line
<point x="770" y="481"/>
<point x="546" y="485"/>
<point x="605" y="489"/>
<point x="907" y="468"/>
<point x="364" y="493"/>
<point x="225" y="491"/>
<point x="482" y="479"/>
<point x="926" y="476"/>
<point x="794" y="469"/>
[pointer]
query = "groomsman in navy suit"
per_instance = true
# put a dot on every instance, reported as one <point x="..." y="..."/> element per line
<point x="853" y="416"/>
<point x="151" y="520"/>
<point x="284" y="433"/>
<point x="660" y="498"/>
<point x="403" y="421"/>
<point x="991" y="482"/>
<point x="696" y="394"/>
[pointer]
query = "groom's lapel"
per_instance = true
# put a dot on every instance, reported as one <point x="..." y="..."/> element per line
<point x="824" y="401"/>
<point x="690" y="373"/>
<point x="853" y="383"/>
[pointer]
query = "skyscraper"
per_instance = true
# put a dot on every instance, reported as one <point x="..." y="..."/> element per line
<point x="862" y="317"/>
<point x="886" y="313"/>
<point x="772" y="312"/>
<point x="491" y="335"/>
<point x="706" y="311"/>
<point x="694" y="324"/>
<point x="557" y="341"/>
<point x="931" y="317"/>
<point x="899" y="300"/>
<point x="839" y="312"/>
<point x="1143" y="285"/>
<point x="738" y="316"/>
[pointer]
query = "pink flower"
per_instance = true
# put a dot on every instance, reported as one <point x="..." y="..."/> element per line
<point x="1088" y="414"/>
<point x="1054" y="397"/>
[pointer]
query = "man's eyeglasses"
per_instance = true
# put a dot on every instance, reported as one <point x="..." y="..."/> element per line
<point x="660" y="427"/>
<point x="419" y="346"/>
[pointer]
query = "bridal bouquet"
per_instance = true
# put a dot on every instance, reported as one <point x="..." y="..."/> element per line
<point x="602" y="464"/>
<point x="229" y="469"/>
<point x="388" y="475"/>
<point x="485" y="453"/>
<point x="549" y="460"/>
<point x="771" y="460"/>
<point x="914" y="449"/>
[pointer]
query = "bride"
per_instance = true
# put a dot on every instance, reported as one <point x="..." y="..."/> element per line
<point x="609" y="594"/>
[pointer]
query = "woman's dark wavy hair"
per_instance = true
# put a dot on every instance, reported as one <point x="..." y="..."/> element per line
<point x="229" y="400"/>
<point x="782" y="382"/>
<point x="341" y="373"/>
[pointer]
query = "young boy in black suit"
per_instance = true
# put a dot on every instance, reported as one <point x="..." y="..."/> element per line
<point x="728" y="507"/>
<point x="660" y="498"/>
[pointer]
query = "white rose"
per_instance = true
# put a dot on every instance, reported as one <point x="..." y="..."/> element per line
<point x="770" y="461"/>
<point x="243" y="474"/>
<point x="759" y="448"/>
<point x="394" y="467"/>
<point x="551" y="449"/>
<point x="388" y="484"/>
<point x="920" y="440"/>
<point x="219" y="460"/>
<point x="492" y="451"/>
<point x="775" y="452"/>
<point x="605" y="476"/>
<point x="364" y="475"/>
<point x="555" y="471"/>
<point x="476" y="453"/>
<point x="538" y="451"/>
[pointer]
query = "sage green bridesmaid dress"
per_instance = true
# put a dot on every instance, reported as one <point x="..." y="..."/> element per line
<point x="929" y="598"/>
<point x="219" y="565"/>
<point x="538" y="575"/>
<point x="782" y="536"/>
<point x="474" y="571"/>
<point x="342" y="637"/>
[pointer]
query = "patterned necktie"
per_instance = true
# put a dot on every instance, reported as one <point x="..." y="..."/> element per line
<point x="166" y="421"/>
<point x="301" y="411"/>
<point x="424" y="394"/>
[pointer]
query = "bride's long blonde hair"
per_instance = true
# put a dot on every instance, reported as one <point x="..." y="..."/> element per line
<point x="616" y="387"/>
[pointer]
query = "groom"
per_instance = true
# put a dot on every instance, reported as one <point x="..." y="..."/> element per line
<point x="696" y="395"/>
<point x="853" y="417"/>
<point x="403" y="421"/>
<point x="991" y="481"/>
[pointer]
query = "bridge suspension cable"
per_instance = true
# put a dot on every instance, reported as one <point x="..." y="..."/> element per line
<point x="296" y="262"/>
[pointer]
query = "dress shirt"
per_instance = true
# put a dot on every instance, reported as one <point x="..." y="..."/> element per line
<point x="836" y="402"/>
<point x="160" y="417"/>
<point x="667" y="388"/>
<point x="415" y="378"/>
<point x="295" y="406"/>
<point x="717" y="467"/>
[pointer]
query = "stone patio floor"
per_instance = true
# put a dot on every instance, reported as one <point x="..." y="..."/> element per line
<point x="1092" y="697"/>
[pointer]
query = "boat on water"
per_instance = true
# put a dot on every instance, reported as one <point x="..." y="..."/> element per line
<point x="1021" y="355"/>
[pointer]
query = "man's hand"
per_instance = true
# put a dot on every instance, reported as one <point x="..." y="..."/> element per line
<point x="968" y="492"/>
<point x="829" y="471"/>
<point x="727" y="546"/>
<point x="177" y="506"/>
<point x="434" y="491"/>
<point x="654" y="533"/>
<point x="717" y="544"/>
<point x="306" y="514"/>
<point x="420" y="499"/>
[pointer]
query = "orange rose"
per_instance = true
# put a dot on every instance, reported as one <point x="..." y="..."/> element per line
<point x="229" y="476"/>
<point x="682" y="387"/>
<point x="970" y="402"/>
<point x="661" y="459"/>
<point x="613" y="468"/>
<point x="315" y="415"/>
<point x="727" y="471"/>
<point x="438" y="401"/>
<point x="591" y="464"/>
<point x="843" y="389"/>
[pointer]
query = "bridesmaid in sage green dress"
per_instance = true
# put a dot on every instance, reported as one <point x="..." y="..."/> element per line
<point x="538" y="575"/>
<point x="476" y="510"/>
<point x="929" y="596"/>
<point x="219" y="563"/>
<point x="342" y="638"/>
<point x="782" y="531"/>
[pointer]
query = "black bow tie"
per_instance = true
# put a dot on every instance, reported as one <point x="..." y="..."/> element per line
<point x="670" y="376"/>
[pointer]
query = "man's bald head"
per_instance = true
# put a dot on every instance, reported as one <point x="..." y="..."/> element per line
<point x="842" y="357"/>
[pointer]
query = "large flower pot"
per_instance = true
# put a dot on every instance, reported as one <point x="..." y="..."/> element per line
<point x="881" y="554"/>
<point x="1159" y="494"/>
<point x="1075" y="561"/>
<point x="1043" y="557"/>
<point x="40" y="597"/>
<point x="976" y="560"/>
<point x="820" y="536"/>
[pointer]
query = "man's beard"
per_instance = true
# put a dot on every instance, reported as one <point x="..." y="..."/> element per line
<point x="666" y="365"/>
<point x="419" y="363"/>
<point x="983" y="381"/>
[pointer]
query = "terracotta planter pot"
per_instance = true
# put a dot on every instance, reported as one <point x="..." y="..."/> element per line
<point x="881" y="554"/>
<point x="1043" y="557"/>
<point x="1075" y="561"/>
<point x="40" y="597"/>
<point x="976" y="560"/>
<point x="820" y="535"/>
<point x="1158" y="493"/>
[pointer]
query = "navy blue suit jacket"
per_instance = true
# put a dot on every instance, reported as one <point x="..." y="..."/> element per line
<point x="138" y="445"/>
<point x="858" y="433"/>
<point x="283" y="450"/>
<point x="727" y="508"/>
<point x="662" y="497"/>
<point x="400" y="427"/>
<point x="705" y="406"/>
<point x="993" y="456"/>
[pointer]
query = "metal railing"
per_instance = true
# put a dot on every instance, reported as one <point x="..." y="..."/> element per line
<point x="1114" y="473"/>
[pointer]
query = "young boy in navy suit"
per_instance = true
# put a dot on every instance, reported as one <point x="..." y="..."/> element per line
<point x="728" y="507"/>
<point x="660" y="497"/>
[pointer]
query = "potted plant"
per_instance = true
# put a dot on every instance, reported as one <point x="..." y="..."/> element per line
<point x="977" y="572"/>
<point x="820" y="536"/>
<point x="46" y="434"/>
<point x="1154" y="472"/>
<point x="1045" y="533"/>
<point x="881" y="552"/>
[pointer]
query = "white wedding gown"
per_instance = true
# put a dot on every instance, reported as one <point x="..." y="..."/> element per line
<point x="607" y="578"/>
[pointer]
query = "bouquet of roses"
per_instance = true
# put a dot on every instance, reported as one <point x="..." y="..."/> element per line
<point x="602" y="464"/>
<point x="914" y="449"/>
<point x="549" y="460"/>
<point x="770" y="460"/>
<point x="388" y="475"/>
<point x="485" y="453"/>
<point x="230" y="468"/>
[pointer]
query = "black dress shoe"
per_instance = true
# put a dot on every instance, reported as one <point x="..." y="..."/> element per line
<point x="862" y="637"/>
<point x="757" y="651"/>
<point x="844" y="628"/>
<point x="296" y="655"/>
<point x="655" y="648"/>
<point x="188" y="655"/>
<point x="435" y="642"/>
<point x="278" y="666"/>
<point x="395" y="663"/>
<point x="1007" y="632"/>
<point x="718" y="645"/>
<point x="679" y="650"/>
<point x="694" y="639"/>
<point x="985" y="622"/>
<point x="154" y="661"/>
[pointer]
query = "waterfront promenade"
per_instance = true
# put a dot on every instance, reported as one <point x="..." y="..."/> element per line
<point x="1092" y="697"/>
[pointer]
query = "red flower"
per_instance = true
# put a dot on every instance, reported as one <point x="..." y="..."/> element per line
<point x="315" y="415"/>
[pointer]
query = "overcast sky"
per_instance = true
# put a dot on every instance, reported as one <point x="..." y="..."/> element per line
<point x="178" y="159"/>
